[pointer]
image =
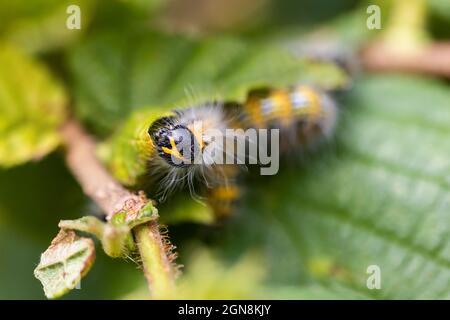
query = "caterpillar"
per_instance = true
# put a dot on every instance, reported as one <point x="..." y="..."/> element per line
<point x="161" y="148"/>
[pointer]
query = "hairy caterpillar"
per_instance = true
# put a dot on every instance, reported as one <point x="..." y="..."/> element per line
<point x="162" y="147"/>
<point x="144" y="153"/>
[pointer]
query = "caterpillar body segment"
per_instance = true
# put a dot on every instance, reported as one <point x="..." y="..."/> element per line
<point x="303" y="114"/>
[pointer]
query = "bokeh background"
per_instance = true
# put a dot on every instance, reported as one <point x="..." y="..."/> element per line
<point x="377" y="194"/>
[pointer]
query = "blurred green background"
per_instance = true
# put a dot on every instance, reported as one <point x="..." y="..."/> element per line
<point x="378" y="193"/>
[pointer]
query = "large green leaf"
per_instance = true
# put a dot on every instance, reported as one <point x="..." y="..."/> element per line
<point x="379" y="195"/>
<point x="32" y="107"/>
<point x="118" y="73"/>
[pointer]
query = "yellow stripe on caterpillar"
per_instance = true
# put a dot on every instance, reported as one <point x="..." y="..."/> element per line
<point x="222" y="199"/>
<point x="174" y="150"/>
<point x="312" y="102"/>
<point x="226" y="192"/>
<point x="276" y="106"/>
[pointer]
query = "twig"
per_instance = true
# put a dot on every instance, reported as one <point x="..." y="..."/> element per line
<point x="159" y="272"/>
<point x="432" y="59"/>
<point x="405" y="45"/>
<point x="111" y="197"/>
<point x="94" y="179"/>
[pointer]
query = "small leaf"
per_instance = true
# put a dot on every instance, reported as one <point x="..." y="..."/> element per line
<point x="32" y="107"/>
<point x="113" y="238"/>
<point x="89" y="224"/>
<point x="64" y="263"/>
<point x="147" y="213"/>
<point x="114" y="235"/>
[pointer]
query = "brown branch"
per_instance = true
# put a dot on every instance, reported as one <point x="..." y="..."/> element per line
<point x="112" y="197"/>
<point x="432" y="59"/>
<point x="94" y="179"/>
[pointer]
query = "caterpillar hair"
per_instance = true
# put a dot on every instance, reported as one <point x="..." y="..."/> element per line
<point x="182" y="141"/>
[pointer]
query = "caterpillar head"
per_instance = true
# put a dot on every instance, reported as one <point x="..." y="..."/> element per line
<point x="175" y="143"/>
<point x="186" y="144"/>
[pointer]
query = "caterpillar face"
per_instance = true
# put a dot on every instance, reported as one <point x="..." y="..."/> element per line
<point x="175" y="143"/>
<point x="181" y="139"/>
<point x="183" y="146"/>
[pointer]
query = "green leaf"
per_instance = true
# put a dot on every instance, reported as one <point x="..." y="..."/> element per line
<point x="207" y="277"/>
<point x="40" y="25"/>
<point x="146" y="214"/>
<point x="441" y="8"/>
<point x="311" y="292"/>
<point x="114" y="235"/>
<point x="32" y="107"/>
<point x="145" y="5"/>
<point x="64" y="263"/>
<point x="210" y="278"/>
<point x="113" y="238"/>
<point x="378" y="195"/>
<point x="118" y="73"/>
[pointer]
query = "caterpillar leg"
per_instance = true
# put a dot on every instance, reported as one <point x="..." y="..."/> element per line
<point x="222" y="200"/>
<point x="223" y="196"/>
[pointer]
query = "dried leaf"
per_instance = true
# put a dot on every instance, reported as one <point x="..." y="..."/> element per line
<point x="64" y="263"/>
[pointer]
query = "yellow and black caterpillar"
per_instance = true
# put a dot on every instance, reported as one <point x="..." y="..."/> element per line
<point x="154" y="142"/>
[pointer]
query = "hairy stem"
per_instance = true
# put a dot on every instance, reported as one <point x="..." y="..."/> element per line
<point x="158" y="268"/>
<point x="112" y="197"/>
